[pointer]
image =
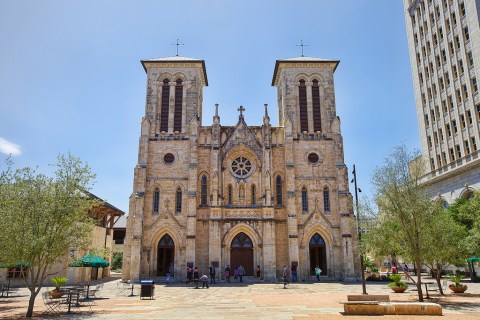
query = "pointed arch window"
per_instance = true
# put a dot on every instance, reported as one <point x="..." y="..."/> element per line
<point x="156" y="200"/>
<point x="317" y="241"/>
<point x="166" y="242"/>
<point x="177" y="119"/>
<point x="241" y="240"/>
<point x="317" y="120"/>
<point x="304" y="200"/>
<point x="278" y="189"/>
<point x="178" y="201"/>
<point x="203" y="189"/>
<point x="230" y="195"/>
<point x="326" y="199"/>
<point x="165" y="105"/>
<point x="254" y="195"/>
<point x="302" y="94"/>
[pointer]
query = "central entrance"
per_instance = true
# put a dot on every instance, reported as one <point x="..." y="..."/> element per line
<point x="241" y="253"/>
<point x="165" y="255"/>
<point x="318" y="254"/>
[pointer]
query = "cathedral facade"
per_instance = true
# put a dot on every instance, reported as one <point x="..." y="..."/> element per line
<point x="262" y="195"/>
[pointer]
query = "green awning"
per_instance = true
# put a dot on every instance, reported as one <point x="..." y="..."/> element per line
<point x="473" y="259"/>
<point x="17" y="264"/>
<point x="89" y="260"/>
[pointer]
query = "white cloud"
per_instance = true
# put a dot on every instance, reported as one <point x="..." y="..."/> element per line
<point x="8" y="147"/>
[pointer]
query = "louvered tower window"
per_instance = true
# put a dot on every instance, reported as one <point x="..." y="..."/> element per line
<point x="302" y="93"/>
<point x="164" y="108"/>
<point x="317" y="120"/>
<point x="177" y="119"/>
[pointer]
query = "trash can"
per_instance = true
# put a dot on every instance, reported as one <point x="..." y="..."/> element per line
<point x="147" y="288"/>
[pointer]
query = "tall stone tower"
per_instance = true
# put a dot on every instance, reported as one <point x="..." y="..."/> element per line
<point x="265" y="196"/>
<point x="444" y="43"/>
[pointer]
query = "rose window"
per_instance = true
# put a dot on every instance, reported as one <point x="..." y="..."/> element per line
<point x="241" y="167"/>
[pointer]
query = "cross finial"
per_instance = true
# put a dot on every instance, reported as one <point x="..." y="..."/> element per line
<point x="302" y="45"/>
<point x="241" y="109"/>
<point x="177" y="44"/>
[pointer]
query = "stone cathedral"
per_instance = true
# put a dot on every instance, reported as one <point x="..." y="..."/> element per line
<point x="241" y="195"/>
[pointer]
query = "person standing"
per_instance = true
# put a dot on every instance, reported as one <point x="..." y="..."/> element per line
<point x="211" y="270"/>
<point x="227" y="273"/>
<point x="195" y="274"/>
<point x="189" y="274"/>
<point x="294" y="272"/>
<point x="285" y="277"/>
<point x="258" y="271"/>
<point x="318" y="271"/>
<point x="235" y="274"/>
<point x="241" y="272"/>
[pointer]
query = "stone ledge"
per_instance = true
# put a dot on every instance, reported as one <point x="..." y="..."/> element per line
<point x="392" y="308"/>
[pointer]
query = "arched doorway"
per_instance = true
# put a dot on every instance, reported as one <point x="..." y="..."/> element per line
<point x="165" y="255"/>
<point x="241" y="253"/>
<point x="318" y="254"/>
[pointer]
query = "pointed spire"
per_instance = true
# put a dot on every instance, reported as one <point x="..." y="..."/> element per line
<point x="266" y="118"/>
<point x="216" y="118"/>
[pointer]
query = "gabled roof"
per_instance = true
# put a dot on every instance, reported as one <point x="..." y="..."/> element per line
<point x="302" y="60"/>
<point x="177" y="59"/>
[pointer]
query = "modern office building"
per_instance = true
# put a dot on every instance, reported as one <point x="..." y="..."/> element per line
<point x="444" y="44"/>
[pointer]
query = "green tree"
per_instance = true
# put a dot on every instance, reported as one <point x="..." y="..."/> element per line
<point x="446" y="245"/>
<point x="43" y="217"/>
<point x="117" y="260"/>
<point x="466" y="211"/>
<point x="405" y="209"/>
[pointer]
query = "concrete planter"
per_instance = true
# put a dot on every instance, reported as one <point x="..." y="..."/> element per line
<point x="399" y="289"/>
<point x="459" y="289"/>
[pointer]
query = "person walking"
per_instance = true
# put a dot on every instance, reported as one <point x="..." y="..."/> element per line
<point x="318" y="271"/>
<point x="258" y="271"/>
<point x="241" y="272"/>
<point x="211" y="270"/>
<point x="294" y="272"/>
<point x="227" y="273"/>
<point x="406" y="270"/>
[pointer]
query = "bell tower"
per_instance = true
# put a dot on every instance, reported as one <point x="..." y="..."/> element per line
<point x="305" y="93"/>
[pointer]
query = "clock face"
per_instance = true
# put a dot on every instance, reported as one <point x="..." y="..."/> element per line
<point x="241" y="167"/>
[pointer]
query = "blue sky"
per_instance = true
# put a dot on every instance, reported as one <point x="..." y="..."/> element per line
<point x="70" y="76"/>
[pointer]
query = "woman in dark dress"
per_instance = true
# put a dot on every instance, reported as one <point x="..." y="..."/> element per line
<point x="227" y="273"/>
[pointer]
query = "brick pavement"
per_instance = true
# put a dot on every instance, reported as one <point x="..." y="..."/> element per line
<point x="307" y="301"/>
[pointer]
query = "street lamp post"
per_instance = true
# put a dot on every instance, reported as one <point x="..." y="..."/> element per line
<point x="364" y="287"/>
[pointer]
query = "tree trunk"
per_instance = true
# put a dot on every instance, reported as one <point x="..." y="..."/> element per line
<point x="31" y="302"/>
<point x="438" y="277"/>
<point x="419" y="281"/>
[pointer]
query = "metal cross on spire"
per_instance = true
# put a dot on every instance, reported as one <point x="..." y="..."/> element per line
<point x="241" y="109"/>
<point x="177" y="44"/>
<point x="302" y="45"/>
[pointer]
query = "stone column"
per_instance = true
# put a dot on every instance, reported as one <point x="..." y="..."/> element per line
<point x="290" y="198"/>
<point x="268" y="250"/>
<point x="192" y="195"/>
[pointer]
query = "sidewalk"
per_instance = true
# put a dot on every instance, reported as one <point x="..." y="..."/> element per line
<point x="247" y="301"/>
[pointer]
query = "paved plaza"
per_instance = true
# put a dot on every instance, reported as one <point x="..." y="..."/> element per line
<point x="244" y="301"/>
